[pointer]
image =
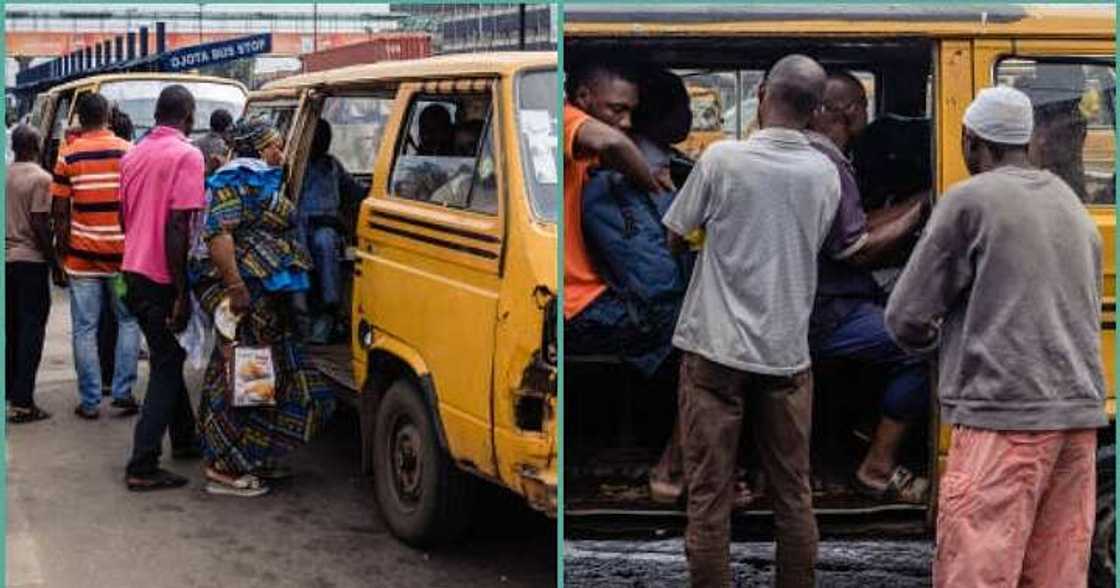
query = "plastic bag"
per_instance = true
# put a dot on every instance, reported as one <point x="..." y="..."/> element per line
<point x="198" y="338"/>
<point x="253" y="377"/>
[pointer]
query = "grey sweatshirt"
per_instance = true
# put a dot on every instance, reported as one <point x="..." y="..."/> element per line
<point x="1006" y="280"/>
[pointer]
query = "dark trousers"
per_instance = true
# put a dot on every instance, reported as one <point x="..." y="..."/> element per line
<point x="714" y="402"/>
<point x="166" y="403"/>
<point x="28" y="304"/>
<point x="107" y="339"/>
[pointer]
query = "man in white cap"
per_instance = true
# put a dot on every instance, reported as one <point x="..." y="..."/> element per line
<point x="1006" y="281"/>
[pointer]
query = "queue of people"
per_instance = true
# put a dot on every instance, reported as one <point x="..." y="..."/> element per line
<point x="1003" y="285"/>
<point x="146" y="233"/>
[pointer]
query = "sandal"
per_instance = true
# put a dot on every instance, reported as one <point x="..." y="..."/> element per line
<point x="19" y="415"/>
<point x="903" y="486"/>
<point x="158" y="480"/>
<point x="665" y="491"/>
<point x="744" y="496"/>
<point x="246" y="486"/>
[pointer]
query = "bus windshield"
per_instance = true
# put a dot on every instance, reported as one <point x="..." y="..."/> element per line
<point x="137" y="99"/>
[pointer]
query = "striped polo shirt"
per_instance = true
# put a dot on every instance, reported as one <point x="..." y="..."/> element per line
<point x="88" y="175"/>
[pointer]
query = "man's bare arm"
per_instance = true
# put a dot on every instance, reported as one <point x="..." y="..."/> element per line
<point x="616" y="151"/>
<point x="60" y="217"/>
<point x="177" y="242"/>
<point x="887" y="230"/>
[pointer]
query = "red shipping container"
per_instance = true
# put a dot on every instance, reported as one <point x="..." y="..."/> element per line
<point x="379" y="47"/>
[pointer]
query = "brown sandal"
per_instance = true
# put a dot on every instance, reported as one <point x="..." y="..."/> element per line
<point x="902" y="486"/>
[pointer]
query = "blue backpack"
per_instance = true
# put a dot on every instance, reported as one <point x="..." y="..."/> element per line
<point x="628" y="244"/>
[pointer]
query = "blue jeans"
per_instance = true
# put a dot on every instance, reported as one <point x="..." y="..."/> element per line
<point x="324" y="245"/>
<point x="862" y="336"/>
<point x="87" y="295"/>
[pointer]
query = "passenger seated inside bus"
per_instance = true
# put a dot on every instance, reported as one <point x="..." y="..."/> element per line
<point x="635" y="316"/>
<point x="328" y="195"/>
<point x="447" y="157"/>
<point x="634" y="319"/>
<point x="456" y="189"/>
<point x="436" y="133"/>
<point x="847" y="319"/>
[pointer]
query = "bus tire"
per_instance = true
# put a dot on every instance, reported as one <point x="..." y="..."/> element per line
<point x="1102" y="555"/>
<point x="424" y="498"/>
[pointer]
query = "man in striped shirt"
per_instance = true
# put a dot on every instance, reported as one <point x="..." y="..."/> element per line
<point x="89" y="238"/>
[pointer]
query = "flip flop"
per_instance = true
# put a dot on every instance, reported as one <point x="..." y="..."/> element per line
<point x="247" y="486"/>
<point x="903" y="486"/>
<point x="18" y="415"/>
<point x="160" y="480"/>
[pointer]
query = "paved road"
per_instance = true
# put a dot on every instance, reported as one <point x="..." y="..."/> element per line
<point x="650" y="564"/>
<point x="71" y="522"/>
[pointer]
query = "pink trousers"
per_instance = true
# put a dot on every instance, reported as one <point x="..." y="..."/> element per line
<point x="1016" y="509"/>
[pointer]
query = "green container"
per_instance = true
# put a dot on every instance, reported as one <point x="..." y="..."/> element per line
<point x="118" y="285"/>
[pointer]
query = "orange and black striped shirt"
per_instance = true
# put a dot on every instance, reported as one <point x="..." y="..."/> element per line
<point x="88" y="175"/>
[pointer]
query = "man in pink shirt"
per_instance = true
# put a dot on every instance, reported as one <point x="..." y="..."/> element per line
<point x="161" y="189"/>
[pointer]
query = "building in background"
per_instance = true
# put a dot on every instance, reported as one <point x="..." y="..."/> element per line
<point x="304" y="37"/>
<point x="460" y="27"/>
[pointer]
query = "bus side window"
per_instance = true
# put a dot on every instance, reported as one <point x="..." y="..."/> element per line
<point x="1074" y="123"/>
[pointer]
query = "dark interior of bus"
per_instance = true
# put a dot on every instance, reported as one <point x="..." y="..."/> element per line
<point x="617" y="423"/>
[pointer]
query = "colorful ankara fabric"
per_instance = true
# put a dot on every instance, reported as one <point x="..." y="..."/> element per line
<point x="245" y="202"/>
<point x="251" y="137"/>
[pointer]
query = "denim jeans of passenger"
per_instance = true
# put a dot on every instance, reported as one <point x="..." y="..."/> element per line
<point x="87" y="295"/>
<point x="324" y="245"/>
<point x="862" y="336"/>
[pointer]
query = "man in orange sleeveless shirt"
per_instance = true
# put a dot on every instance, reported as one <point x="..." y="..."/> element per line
<point x="600" y="100"/>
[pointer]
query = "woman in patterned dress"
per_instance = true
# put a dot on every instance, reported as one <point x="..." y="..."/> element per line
<point x="251" y="258"/>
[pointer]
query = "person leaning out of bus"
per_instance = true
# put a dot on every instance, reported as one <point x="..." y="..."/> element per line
<point x="1006" y="285"/>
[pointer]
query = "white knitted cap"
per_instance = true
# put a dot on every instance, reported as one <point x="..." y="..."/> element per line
<point x="1001" y="115"/>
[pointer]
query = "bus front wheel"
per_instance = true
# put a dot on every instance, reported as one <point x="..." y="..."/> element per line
<point x="424" y="498"/>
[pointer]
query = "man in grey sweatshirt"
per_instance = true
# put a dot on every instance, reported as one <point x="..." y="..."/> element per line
<point x="1006" y="283"/>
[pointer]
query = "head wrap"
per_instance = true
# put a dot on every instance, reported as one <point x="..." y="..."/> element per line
<point x="1001" y="115"/>
<point x="250" y="137"/>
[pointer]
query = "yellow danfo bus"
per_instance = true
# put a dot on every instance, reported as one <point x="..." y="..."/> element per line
<point x="451" y="359"/>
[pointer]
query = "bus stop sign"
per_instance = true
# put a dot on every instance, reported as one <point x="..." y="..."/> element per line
<point x="215" y="53"/>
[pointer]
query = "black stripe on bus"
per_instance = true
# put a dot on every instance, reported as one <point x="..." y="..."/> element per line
<point x="97" y="206"/>
<point x="94" y="155"/>
<point x="1108" y="306"/>
<point x="434" y="241"/>
<point x="1108" y="325"/>
<point x="435" y="227"/>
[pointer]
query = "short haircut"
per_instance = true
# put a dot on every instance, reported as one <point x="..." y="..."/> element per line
<point x="26" y="141"/>
<point x="664" y="113"/>
<point x="582" y="75"/>
<point x="220" y="120"/>
<point x="798" y="82"/>
<point x="846" y="76"/>
<point x="93" y="110"/>
<point x="174" y="106"/>
<point x="435" y="114"/>
<point x="120" y="123"/>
